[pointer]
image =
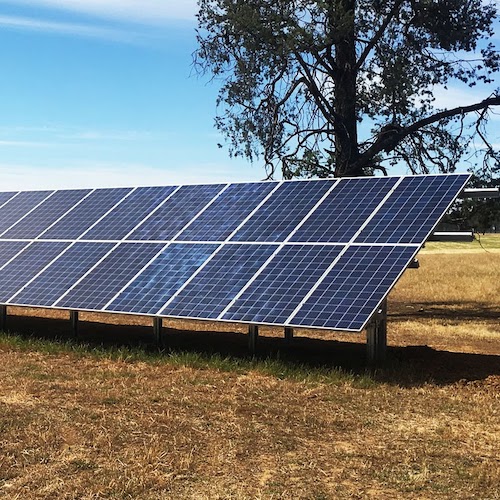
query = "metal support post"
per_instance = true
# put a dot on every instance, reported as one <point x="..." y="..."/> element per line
<point x="73" y="317"/>
<point x="376" y="336"/>
<point x="3" y="317"/>
<point x="157" y="330"/>
<point x="253" y="333"/>
<point x="288" y="333"/>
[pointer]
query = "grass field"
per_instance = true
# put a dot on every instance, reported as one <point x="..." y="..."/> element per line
<point x="117" y="419"/>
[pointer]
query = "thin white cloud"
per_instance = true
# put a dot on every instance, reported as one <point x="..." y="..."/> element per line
<point x="137" y="11"/>
<point x="65" y="28"/>
<point x="102" y="174"/>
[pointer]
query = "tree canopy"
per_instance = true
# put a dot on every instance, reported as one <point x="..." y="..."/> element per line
<point x="345" y="87"/>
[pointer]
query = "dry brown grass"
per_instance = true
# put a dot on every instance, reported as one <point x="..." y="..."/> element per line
<point x="77" y="425"/>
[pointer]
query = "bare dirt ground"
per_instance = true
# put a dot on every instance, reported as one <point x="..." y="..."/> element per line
<point x="79" y="424"/>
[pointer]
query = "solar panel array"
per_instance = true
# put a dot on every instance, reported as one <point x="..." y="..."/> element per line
<point x="309" y="253"/>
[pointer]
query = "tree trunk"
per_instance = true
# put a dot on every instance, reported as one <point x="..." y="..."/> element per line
<point x="346" y="137"/>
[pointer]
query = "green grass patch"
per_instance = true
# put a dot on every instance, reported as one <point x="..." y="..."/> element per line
<point x="269" y="366"/>
<point x="487" y="242"/>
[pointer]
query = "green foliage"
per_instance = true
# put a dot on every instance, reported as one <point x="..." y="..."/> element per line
<point x="482" y="215"/>
<point x="299" y="76"/>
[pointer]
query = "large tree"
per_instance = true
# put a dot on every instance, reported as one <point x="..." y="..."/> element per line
<point x="343" y="87"/>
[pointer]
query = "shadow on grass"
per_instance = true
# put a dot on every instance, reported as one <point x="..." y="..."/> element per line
<point x="303" y="357"/>
<point x="450" y="310"/>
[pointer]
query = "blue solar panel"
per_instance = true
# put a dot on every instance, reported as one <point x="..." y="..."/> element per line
<point x="5" y="197"/>
<point x="61" y="274"/>
<point x="162" y="278"/>
<point x="46" y="214"/>
<point x="346" y="208"/>
<point x="75" y="223"/>
<point x="352" y="290"/>
<point x="128" y="214"/>
<point x="110" y="276"/>
<point x="207" y="295"/>
<point x="412" y="211"/>
<point x="284" y="283"/>
<point x="176" y="213"/>
<point x="24" y="267"/>
<point x="227" y="212"/>
<point x="281" y="214"/>
<point x="9" y="249"/>
<point x="19" y="206"/>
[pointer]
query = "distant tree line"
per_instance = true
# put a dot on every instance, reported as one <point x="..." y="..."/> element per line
<point x="481" y="215"/>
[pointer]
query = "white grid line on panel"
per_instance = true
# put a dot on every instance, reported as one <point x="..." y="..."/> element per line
<point x="343" y="251"/>
<point x="65" y="213"/>
<point x="218" y="249"/>
<point x="10" y="199"/>
<point x="281" y="245"/>
<point x="447" y="208"/>
<point x="164" y="248"/>
<point x="113" y="248"/>
<point x="206" y="207"/>
<point x="39" y="273"/>
<point x="26" y="214"/>
<point x="72" y="242"/>
<point x="17" y="254"/>
<point x="118" y="203"/>
<point x="152" y="213"/>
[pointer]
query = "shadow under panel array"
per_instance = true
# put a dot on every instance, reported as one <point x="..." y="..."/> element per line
<point x="308" y="253"/>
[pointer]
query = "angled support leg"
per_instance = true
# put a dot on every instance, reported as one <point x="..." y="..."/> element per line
<point x="376" y="336"/>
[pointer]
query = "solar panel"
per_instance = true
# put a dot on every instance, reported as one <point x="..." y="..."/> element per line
<point x="26" y="265"/>
<point x="345" y="209"/>
<point x="279" y="289"/>
<point x="164" y="276"/>
<point x="19" y="206"/>
<point x="213" y="288"/>
<point x="5" y="197"/>
<point x="354" y="287"/>
<point x="106" y="279"/>
<point x="309" y="253"/>
<point x="88" y="212"/>
<point x="176" y="212"/>
<point x="277" y="218"/>
<point x="48" y="286"/>
<point x="46" y="214"/>
<point x="412" y="211"/>
<point x="227" y="212"/>
<point x="132" y="210"/>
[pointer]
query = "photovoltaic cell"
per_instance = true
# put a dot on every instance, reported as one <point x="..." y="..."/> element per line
<point x="412" y="211"/>
<point x="227" y="212"/>
<point x="75" y="223"/>
<point x="19" y="206"/>
<point x="176" y="213"/>
<point x="110" y="276"/>
<point x="128" y="214"/>
<point x="284" y="283"/>
<point x="281" y="214"/>
<point x="5" y="197"/>
<point x="61" y="274"/>
<point x="219" y="281"/>
<point x="46" y="214"/>
<point x="9" y="249"/>
<point x="26" y="265"/>
<point x="346" y="208"/>
<point x="162" y="278"/>
<point x="351" y="291"/>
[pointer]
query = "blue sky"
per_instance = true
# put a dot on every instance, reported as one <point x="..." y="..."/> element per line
<point x="102" y="93"/>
